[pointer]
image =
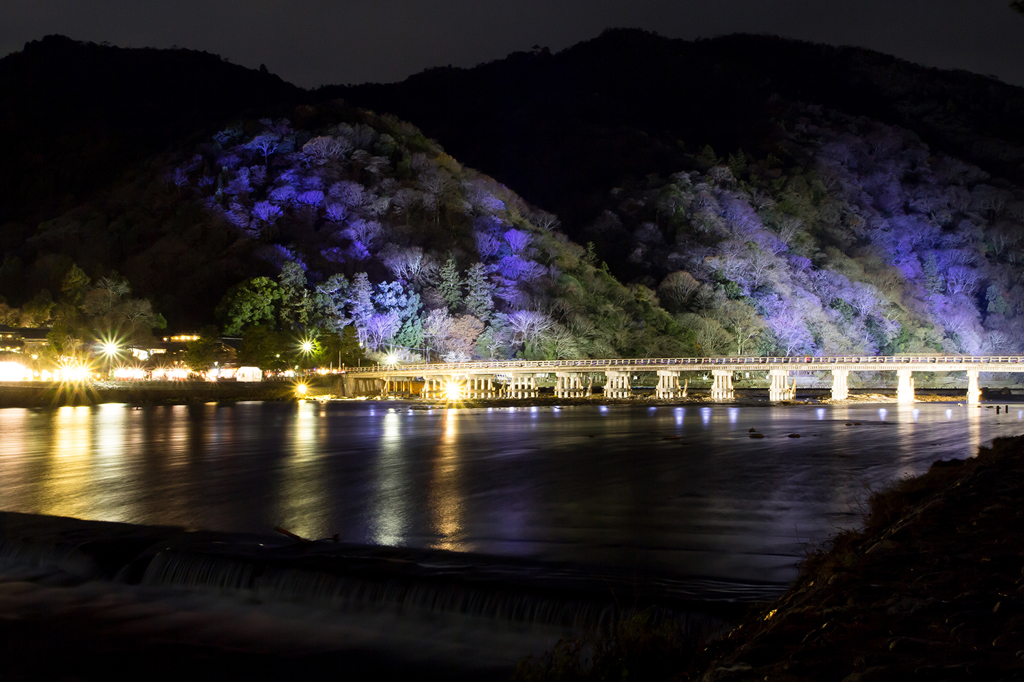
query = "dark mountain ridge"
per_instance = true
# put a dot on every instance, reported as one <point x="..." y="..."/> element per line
<point x="563" y="129"/>
<point x="74" y="116"/>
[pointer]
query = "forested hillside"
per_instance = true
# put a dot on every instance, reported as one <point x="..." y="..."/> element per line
<point x="856" y="204"/>
<point x="779" y="196"/>
<point x="341" y="219"/>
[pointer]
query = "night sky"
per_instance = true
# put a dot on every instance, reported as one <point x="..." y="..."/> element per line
<point x="319" y="42"/>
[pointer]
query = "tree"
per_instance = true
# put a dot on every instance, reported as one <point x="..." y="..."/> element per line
<point x="36" y="312"/>
<point x="75" y="285"/>
<point x="297" y="305"/>
<point x="264" y="347"/>
<point x="380" y="329"/>
<point x="265" y="144"/>
<point x="479" y="292"/>
<point x="450" y="285"/>
<point x="360" y="301"/>
<point x="330" y="299"/>
<point x="253" y="302"/>
<point x="676" y="290"/>
<point x="464" y="332"/>
<point x="201" y="353"/>
<point x="343" y="348"/>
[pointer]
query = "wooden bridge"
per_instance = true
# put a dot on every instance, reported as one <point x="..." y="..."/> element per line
<point x="518" y="378"/>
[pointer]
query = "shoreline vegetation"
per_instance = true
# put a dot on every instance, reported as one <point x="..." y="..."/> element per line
<point x="931" y="588"/>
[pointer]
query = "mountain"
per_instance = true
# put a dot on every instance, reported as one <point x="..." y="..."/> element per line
<point x="299" y="224"/>
<point x="75" y="116"/>
<point x="740" y="195"/>
<point x="781" y="197"/>
<point x="565" y="128"/>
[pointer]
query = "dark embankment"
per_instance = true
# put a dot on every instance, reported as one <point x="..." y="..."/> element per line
<point x="47" y="394"/>
<point x="931" y="589"/>
<point x="91" y="600"/>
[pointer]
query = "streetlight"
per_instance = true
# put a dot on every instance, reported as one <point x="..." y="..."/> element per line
<point x="109" y="348"/>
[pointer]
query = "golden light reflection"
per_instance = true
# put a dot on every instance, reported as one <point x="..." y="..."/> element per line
<point x="390" y="506"/>
<point x="906" y="425"/>
<point x="14" y="458"/>
<point x="303" y="505"/>
<point x="973" y="430"/>
<point x="64" y="489"/>
<point x="445" y="497"/>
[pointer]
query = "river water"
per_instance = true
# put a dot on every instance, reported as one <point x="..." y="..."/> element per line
<point x="674" y="491"/>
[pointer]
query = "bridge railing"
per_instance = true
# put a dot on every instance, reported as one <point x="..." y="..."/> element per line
<point x="682" y="363"/>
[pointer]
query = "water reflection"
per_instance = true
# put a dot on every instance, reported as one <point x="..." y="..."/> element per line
<point x="618" y="485"/>
<point x="445" y="500"/>
<point x="65" y="473"/>
<point x="303" y="494"/>
<point x="389" y="521"/>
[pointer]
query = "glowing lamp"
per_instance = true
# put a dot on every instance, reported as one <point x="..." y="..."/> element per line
<point x="12" y="371"/>
<point x="452" y="391"/>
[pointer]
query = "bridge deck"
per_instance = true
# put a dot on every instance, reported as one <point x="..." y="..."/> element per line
<point x="867" y="363"/>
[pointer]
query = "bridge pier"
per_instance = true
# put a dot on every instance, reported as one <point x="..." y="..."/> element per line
<point x="721" y="387"/>
<point x="668" y="384"/>
<point x="905" y="386"/>
<point x="479" y="387"/>
<point x="568" y="385"/>
<point x="840" y="384"/>
<point x="523" y="386"/>
<point x="973" y="391"/>
<point x="617" y="384"/>
<point x="778" y="385"/>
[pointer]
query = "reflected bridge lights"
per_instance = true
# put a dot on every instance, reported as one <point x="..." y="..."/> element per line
<point x="882" y="412"/>
<point x="705" y="415"/>
<point x="949" y="414"/>
<point x="821" y="413"/>
<point x="734" y="415"/>
<point x="915" y="413"/>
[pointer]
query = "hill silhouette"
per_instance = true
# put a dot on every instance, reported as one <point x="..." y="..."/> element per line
<point x="563" y="129"/>
<point x="77" y="115"/>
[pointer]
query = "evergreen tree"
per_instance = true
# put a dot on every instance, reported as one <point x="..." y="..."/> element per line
<point x="479" y="292"/>
<point x="360" y="299"/>
<point x="450" y="286"/>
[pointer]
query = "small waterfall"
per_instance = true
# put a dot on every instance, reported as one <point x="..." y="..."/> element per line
<point x="190" y="569"/>
<point x="24" y="556"/>
<point x="421" y="595"/>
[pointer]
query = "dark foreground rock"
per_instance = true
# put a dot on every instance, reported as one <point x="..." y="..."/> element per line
<point x="931" y="589"/>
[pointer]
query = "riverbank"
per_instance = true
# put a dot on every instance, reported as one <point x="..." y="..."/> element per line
<point x="55" y="394"/>
<point x="931" y="589"/>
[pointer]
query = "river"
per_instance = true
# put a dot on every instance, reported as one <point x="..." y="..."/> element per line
<point x="682" y="492"/>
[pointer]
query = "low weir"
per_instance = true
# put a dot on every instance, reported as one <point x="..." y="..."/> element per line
<point x="574" y="378"/>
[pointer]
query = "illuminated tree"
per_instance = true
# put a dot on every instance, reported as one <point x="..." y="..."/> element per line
<point x="254" y="302"/>
<point x="36" y="312"/>
<point x="265" y="144"/>
<point x="450" y="285"/>
<point x="479" y="292"/>
<point x="360" y="301"/>
<point x="75" y="285"/>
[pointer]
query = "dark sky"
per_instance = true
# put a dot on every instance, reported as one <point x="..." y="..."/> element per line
<point x="314" y="42"/>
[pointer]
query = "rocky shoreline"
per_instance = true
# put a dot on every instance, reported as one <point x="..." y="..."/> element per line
<point x="931" y="589"/>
